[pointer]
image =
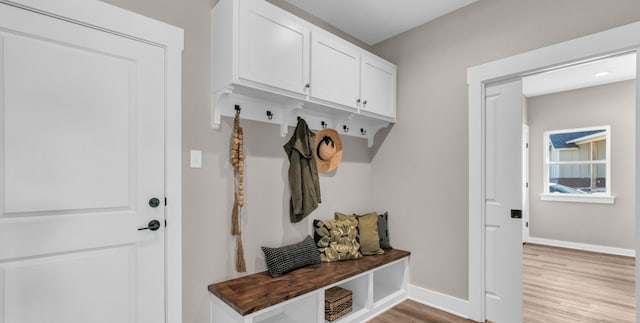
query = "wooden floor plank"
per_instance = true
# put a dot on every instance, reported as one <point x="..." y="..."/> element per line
<point x="411" y="311"/>
<point x="559" y="285"/>
<point x="565" y="285"/>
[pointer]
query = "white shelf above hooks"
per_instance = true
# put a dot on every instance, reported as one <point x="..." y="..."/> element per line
<point x="275" y="109"/>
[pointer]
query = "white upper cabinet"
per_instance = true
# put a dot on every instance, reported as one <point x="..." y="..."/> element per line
<point x="335" y="70"/>
<point x="277" y="66"/>
<point x="347" y="75"/>
<point x="377" y="86"/>
<point x="273" y="48"/>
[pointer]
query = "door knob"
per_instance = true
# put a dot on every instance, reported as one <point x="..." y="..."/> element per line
<point x="154" y="202"/>
<point x="153" y="226"/>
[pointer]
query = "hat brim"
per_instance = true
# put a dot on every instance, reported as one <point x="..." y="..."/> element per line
<point x="326" y="166"/>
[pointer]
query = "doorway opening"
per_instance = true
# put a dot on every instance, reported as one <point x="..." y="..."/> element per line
<point x="579" y="194"/>
<point x="603" y="44"/>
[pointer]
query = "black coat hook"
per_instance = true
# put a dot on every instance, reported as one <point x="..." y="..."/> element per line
<point x="237" y="108"/>
<point x="362" y="131"/>
<point x="345" y="128"/>
<point x="269" y="114"/>
<point x="323" y="124"/>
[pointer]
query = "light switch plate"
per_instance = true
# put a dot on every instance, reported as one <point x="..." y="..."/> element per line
<point x="196" y="159"/>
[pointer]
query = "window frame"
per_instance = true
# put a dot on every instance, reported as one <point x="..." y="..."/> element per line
<point x="602" y="198"/>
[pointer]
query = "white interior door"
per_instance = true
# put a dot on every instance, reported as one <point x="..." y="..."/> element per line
<point x="503" y="200"/>
<point x="81" y="140"/>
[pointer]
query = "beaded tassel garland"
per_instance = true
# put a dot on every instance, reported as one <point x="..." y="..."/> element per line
<point x="237" y="161"/>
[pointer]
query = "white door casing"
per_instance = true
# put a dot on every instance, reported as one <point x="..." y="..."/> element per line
<point x="83" y="126"/>
<point x="591" y="47"/>
<point x="503" y="234"/>
<point x="525" y="181"/>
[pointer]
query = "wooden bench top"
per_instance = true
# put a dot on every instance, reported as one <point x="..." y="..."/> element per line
<point x="252" y="293"/>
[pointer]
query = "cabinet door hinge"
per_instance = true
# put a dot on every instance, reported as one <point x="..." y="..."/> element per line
<point x="165" y="201"/>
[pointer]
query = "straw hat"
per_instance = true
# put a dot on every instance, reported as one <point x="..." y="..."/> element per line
<point x="328" y="150"/>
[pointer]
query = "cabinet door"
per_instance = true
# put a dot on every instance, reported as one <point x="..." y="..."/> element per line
<point x="378" y="86"/>
<point x="335" y="70"/>
<point x="273" y="47"/>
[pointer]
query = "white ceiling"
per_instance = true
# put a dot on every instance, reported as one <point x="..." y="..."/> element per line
<point x="373" y="21"/>
<point x="617" y="68"/>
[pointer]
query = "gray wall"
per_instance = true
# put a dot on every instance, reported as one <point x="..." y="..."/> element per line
<point x="425" y="193"/>
<point x="208" y="251"/>
<point x="598" y="224"/>
<point x="421" y="168"/>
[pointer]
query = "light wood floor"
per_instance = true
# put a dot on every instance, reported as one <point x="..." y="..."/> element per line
<point x="559" y="285"/>
<point x="564" y="285"/>
<point x="413" y="312"/>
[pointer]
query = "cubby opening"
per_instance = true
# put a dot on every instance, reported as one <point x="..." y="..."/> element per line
<point x="303" y="309"/>
<point x="388" y="281"/>
<point x="359" y="288"/>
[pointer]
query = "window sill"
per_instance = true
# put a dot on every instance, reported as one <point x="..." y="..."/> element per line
<point x="578" y="198"/>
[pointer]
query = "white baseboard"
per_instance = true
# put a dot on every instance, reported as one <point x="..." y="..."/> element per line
<point x="453" y="305"/>
<point x="583" y="246"/>
<point x="378" y="311"/>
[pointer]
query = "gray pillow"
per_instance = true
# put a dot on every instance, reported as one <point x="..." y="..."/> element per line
<point x="383" y="230"/>
<point x="287" y="258"/>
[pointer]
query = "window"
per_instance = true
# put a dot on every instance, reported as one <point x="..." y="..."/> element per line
<point x="577" y="165"/>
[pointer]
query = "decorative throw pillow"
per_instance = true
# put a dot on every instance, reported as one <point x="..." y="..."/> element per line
<point x="383" y="230"/>
<point x="367" y="231"/>
<point x="287" y="258"/>
<point x="337" y="240"/>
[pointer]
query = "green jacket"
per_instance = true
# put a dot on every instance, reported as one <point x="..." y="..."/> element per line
<point x="304" y="183"/>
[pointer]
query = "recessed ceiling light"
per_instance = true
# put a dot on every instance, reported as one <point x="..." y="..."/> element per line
<point x="602" y="74"/>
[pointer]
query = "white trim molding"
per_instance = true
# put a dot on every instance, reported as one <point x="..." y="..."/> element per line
<point x="173" y="184"/>
<point x="111" y="19"/>
<point x="574" y="198"/>
<point x="447" y="303"/>
<point x="588" y="48"/>
<point x="583" y="246"/>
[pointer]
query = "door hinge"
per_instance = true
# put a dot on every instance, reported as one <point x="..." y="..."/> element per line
<point x="527" y="144"/>
<point x="526" y="224"/>
<point x="525" y="185"/>
<point x="165" y="201"/>
<point x="165" y="223"/>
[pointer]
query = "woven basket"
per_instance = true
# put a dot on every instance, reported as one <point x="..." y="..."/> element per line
<point x="337" y="302"/>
